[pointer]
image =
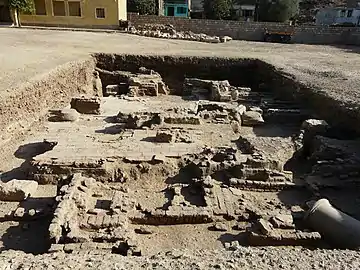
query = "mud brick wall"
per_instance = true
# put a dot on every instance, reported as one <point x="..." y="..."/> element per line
<point x="254" y="31"/>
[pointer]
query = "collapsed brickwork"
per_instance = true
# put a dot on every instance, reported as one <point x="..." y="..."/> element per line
<point x="216" y="177"/>
<point x="145" y="82"/>
<point x="226" y="163"/>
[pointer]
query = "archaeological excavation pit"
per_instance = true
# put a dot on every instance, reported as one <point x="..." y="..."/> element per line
<point x="180" y="152"/>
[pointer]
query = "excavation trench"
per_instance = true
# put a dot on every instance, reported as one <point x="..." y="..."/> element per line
<point x="185" y="151"/>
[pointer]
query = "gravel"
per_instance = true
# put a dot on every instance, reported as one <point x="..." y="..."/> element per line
<point x="242" y="258"/>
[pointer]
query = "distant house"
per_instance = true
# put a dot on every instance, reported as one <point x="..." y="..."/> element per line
<point x="176" y="8"/>
<point x="246" y="11"/>
<point x="77" y="13"/>
<point x="338" y="16"/>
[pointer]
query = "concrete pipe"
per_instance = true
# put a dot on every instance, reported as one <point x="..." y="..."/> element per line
<point x="336" y="227"/>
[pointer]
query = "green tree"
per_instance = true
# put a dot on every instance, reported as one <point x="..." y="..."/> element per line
<point x="143" y="7"/>
<point x="217" y="9"/>
<point x="277" y="10"/>
<point x="20" y="6"/>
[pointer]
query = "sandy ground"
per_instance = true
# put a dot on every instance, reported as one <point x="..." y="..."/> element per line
<point x="25" y="53"/>
<point x="243" y="258"/>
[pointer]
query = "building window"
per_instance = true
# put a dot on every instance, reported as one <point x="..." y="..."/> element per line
<point x="342" y="13"/>
<point x="40" y="8"/>
<point x="181" y="10"/>
<point x="349" y="13"/>
<point x="247" y="13"/>
<point x="59" y="8"/>
<point x="74" y="9"/>
<point x="100" y="13"/>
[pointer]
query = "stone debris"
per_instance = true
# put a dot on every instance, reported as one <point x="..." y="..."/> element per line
<point x="143" y="230"/>
<point x="86" y="105"/>
<point x="284" y="238"/>
<point x="121" y="203"/>
<point x="173" y="136"/>
<point x="221" y="227"/>
<point x="19" y="212"/>
<point x="262" y="186"/>
<point x="64" y="115"/>
<point x="264" y="226"/>
<point x="335" y="163"/>
<point x="208" y="89"/>
<point x="139" y="119"/>
<point x="314" y="125"/>
<point x="282" y="221"/>
<point x="220" y="112"/>
<point x="145" y="82"/>
<point x="112" y="90"/>
<point x="184" y="119"/>
<point x="168" y="31"/>
<point x="252" y="118"/>
<point x="17" y="190"/>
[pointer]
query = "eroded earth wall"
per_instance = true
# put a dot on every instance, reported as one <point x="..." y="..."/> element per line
<point x="27" y="102"/>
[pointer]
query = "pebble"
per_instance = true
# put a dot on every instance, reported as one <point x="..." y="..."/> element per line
<point x="32" y="212"/>
<point x="220" y="227"/>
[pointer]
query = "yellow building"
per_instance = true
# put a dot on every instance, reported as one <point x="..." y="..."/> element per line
<point x="73" y="13"/>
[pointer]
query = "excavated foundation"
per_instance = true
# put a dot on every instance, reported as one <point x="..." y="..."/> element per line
<point x="153" y="153"/>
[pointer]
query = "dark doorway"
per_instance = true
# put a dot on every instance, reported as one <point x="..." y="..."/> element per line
<point x="170" y="11"/>
<point x="4" y="14"/>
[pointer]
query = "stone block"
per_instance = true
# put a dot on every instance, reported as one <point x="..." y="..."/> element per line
<point x="182" y="119"/>
<point x="251" y="118"/>
<point x="221" y="227"/>
<point x="112" y="90"/>
<point x="65" y="115"/>
<point x="56" y="248"/>
<point x="264" y="226"/>
<point x="315" y="126"/>
<point x="282" y="221"/>
<point x="19" y="212"/>
<point x="17" y="190"/>
<point x="86" y="105"/>
<point x="148" y="89"/>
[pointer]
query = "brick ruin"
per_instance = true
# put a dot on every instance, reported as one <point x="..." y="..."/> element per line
<point x="225" y="159"/>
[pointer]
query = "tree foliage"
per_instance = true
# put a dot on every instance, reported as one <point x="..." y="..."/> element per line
<point x="217" y="9"/>
<point x="26" y="6"/>
<point x="143" y="7"/>
<point x="277" y="10"/>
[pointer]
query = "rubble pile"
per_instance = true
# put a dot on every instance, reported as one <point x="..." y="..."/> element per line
<point x="146" y="82"/>
<point x="168" y="31"/>
<point x="80" y="221"/>
<point x="173" y="136"/>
